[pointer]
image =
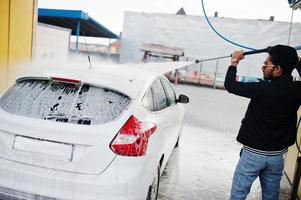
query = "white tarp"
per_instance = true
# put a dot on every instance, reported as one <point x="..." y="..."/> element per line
<point x="52" y="43"/>
<point x="199" y="41"/>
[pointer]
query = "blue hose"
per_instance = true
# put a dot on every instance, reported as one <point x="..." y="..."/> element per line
<point x="250" y="48"/>
<point x="209" y="23"/>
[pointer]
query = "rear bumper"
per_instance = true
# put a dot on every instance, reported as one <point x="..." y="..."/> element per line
<point x="116" y="183"/>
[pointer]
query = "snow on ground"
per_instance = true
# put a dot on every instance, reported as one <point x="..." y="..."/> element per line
<point x="203" y="165"/>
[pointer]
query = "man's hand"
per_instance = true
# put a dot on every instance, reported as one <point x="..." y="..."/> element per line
<point x="236" y="56"/>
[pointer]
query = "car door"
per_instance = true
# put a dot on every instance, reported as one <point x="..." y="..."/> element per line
<point x="175" y="112"/>
<point x="164" y="115"/>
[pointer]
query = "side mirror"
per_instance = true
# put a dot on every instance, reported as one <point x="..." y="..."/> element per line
<point x="183" y="99"/>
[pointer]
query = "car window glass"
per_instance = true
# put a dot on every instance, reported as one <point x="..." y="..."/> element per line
<point x="169" y="92"/>
<point x="64" y="102"/>
<point x="100" y="104"/>
<point x="159" y="95"/>
<point x="148" y="101"/>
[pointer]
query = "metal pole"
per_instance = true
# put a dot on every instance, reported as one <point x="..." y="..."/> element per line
<point x="201" y="65"/>
<point x="109" y="49"/>
<point x="216" y="67"/>
<point x="176" y="77"/>
<point x="290" y="30"/>
<point x="186" y="71"/>
<point x="77" y="34"/>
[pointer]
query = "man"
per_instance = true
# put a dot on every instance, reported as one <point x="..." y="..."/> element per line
<point x="269" y="125"/>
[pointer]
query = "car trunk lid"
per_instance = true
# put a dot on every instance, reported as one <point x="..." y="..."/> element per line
<point x="66" y="147"/>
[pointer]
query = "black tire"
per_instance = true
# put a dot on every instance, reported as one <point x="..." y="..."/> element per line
<point x="178" y="140"/>
<point x="177" y="143"/>
<point x="153" y="189"/>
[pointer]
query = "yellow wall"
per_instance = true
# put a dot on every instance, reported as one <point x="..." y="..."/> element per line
<point x="17" y="22"/>
<point x="4" y="27"/>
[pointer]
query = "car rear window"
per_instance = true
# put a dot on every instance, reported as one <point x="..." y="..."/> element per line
<point x="78" y="103"/>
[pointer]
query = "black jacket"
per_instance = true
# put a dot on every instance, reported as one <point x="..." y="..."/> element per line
<point x="270" y="120"/>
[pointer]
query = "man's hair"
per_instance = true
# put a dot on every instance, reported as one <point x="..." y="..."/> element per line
<point x="284" y="56"/>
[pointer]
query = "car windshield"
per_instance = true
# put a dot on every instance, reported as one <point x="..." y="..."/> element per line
<point x="68" y="102"/>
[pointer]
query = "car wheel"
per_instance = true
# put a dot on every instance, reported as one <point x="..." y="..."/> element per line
<point x="178" y="140"/>
<point x="153" y="189"/>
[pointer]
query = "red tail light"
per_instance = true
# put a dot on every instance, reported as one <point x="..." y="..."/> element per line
<point x="67" y="80"/>
<point x="132" y="139"/>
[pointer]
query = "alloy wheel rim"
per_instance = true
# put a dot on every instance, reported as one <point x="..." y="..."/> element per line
<point x="154" y="188"/>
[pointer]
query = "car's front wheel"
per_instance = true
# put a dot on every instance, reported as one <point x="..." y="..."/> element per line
<point x="153" y="189"/>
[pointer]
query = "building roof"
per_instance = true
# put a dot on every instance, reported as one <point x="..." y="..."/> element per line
<point x="181" y="11"/>
<point x="73" y="19"/>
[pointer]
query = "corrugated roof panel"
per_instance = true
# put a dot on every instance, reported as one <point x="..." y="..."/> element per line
<point x="70" y="18"/>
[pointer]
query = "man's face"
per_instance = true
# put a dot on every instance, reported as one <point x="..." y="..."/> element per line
<point x="268" y="68"/>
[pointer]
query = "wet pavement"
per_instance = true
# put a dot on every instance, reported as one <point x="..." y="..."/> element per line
<point x="202" y="166"/>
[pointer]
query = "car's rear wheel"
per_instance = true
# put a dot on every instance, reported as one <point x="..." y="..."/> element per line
<point x="177" y="143"/>
<point x="153" y="189"/>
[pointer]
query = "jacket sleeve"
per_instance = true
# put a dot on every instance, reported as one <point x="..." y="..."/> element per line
<point x="249" y="90"/>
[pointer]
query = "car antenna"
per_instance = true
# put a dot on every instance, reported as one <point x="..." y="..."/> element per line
<point x="90" y="64"/>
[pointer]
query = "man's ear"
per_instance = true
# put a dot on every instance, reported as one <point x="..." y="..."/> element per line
<point x="277" y="71"/>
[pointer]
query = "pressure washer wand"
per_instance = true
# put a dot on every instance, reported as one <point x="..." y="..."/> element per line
<point x="245" y="53"/>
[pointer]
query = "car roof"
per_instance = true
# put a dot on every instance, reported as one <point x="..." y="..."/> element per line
<point x="129" y="79"/>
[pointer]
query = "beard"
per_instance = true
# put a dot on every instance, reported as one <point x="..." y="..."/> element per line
<point x="267" y="78"/>
<point x="268" y="75"/>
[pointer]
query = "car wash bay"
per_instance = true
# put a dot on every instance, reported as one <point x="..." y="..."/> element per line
<point x="203" y="165"/>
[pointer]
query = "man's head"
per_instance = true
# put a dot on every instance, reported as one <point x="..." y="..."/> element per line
<point x="281" y="60"/>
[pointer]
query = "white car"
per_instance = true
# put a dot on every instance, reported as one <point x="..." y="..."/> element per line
<point x="87" y="134"/>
